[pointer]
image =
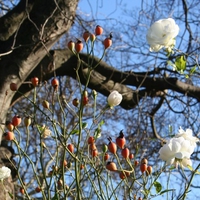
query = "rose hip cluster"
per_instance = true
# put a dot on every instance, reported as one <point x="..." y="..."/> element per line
<point x="16" y="120"/>
<point x="125" y="152"/>
<point x="77" y="47"/>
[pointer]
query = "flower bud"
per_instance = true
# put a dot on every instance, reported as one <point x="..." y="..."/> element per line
<point x="94" y="93"/>
<point x="9" y="126"/>
<point x="105" y="148"/>
<point x="92" y="37"/>
<point x="71" y="45"/>
<point x="45" y="104"/>
<point x="114" y="98"/>
<point x="27" y="121"/>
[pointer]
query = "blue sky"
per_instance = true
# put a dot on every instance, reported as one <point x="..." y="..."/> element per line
<point x="105" y="8"/>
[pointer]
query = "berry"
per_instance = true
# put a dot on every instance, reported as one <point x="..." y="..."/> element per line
<point x="55" y="168"/>
<point x="91" y="140"/>
<point x="16" y="120"/>
<point x="92" y="146"/>
<point x="107" y="43"/>
<point x="38" y="189"/>
<point x="60" y="184"/>
<point x="50" y="173"/>
<point x="98" y="30"/>
<point x="21" y="190"/>
<point x="136" y="163"/>
<point x="149" y="170"/>
<point x="9" y="126"/>
<point x="27" y="121"/>
<point x="71" y="45"/>
<point x="82" y="166"/>
<point x="45" y="104"/>
<point x="70" y="147"/>
<point x="94" y="153"/>
<point x="121" y="141"/>
<point x="75" y="102"/>
<point x="35" y="81"/>
<point x="9" y="136"/>
<point x="124" y="175"/>
<point x="85" y="98"/>
<point x="63" y="163"/>
<point x="144" y="161"/>
<point x="131" y="156"/>
<point x="13" y="86"/>
<point x="111" y="166"/>
<point x="112" y="147"/>
<point x="143" y="168"/>
<point x="86" y="36"/>
<point x="106" y="156"/>
<point x="78" y="46"/>
<point x="125" y="152"/>
<point x="55" y="83"/>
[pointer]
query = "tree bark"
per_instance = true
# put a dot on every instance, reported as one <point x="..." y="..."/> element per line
<point x="27" y="34"/>
<point x="43" y="26"/>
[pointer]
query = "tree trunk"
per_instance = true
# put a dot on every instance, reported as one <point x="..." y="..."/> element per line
<point x="27" y="34"/>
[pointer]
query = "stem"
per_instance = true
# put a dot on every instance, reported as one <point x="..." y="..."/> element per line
<point x="183" y="196"/>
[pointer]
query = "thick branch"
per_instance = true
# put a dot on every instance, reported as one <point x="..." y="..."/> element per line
<point x="10" y="22"/>
<point x="106" y="78"/>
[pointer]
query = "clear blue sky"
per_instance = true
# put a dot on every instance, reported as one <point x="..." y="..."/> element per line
<point x="104" y="8"/>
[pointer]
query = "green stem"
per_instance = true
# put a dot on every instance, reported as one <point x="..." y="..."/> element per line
<point x="183" y="196"/>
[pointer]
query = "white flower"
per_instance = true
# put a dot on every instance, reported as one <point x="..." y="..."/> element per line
<point x="177" y="150"/>
<point x="4" y="172"/>
<point x="162" y="34"/>
<point x="187" y="135"/>
<point x="114" y="98"/>
<point x="46" y="131"/>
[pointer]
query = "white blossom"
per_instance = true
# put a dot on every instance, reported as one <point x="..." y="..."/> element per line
<point x="187" y="135"/>
<point x="177" y="150"/>
<point x="162" y="34"/>
<point x="114" y="98"/>
<point x="4" y="172"/>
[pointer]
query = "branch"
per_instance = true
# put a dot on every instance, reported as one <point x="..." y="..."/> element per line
<point x="152" y="114"/>
<point x="105" y="78"/>
<point x="9" y="23"/>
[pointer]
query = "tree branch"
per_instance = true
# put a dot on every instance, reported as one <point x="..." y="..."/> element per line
<point x="105" y="78"/>
<point x="9" y="23"/>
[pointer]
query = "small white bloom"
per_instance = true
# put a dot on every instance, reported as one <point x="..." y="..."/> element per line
<point x="4" y="172"/>
<point x="162" y="34"/>
<point x="177" y="149"/>
<point x="187" y="135"/>
<point x="114" y="98"/>
<point x="46" y="131"/>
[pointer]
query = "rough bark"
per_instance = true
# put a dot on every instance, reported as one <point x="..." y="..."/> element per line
<point x="27" y="34"/>
<point x="43" y="26"/>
